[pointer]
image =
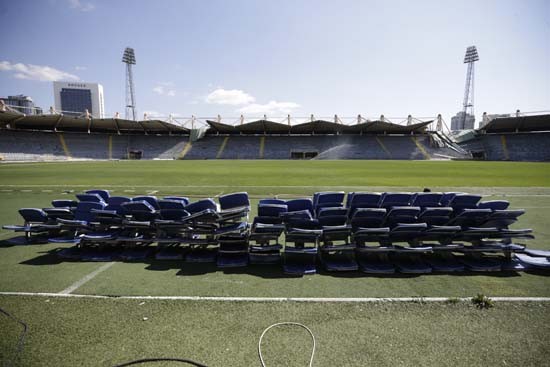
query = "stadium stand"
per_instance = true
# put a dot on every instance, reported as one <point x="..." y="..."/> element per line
<point x="522" y="138"/>
<point x="56" y="137"/>
<point x="378" y="233"/>
<point x="30" y="146"/>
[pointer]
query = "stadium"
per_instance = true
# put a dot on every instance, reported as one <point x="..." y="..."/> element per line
<point x="272" y="236"/>
<point x="255" y="253"/>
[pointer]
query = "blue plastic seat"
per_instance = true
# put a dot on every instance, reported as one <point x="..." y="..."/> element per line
<point x="357" y="200"/>
<point x="391" y="199"/>
<point x="494" y="205"/>
<point x="64" y="203"/>
<point x="402" y="214"/>
<point x="427" y="199"/>
<point x="141" y="211"/>
<point x="234" y="200"/>
<point x="435" y="216"/>
<point x="184" y="199"/>
<point x="94" y="198"/>
<point x="151" y="200"/>
<point x="328" y="199"/>
<point x="464" y="201"/>
<point x="272" y="210"/>
<point x="272" y="201"/>
<point x="103" y="193"/>
<point x="296" y="205"/>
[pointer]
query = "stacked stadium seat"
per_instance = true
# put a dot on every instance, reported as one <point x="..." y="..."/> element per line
<point x="377" y="233"/>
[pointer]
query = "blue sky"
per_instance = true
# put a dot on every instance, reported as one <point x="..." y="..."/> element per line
<point x="251" y="56"/>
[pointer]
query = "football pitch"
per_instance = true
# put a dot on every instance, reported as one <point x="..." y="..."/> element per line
<point x="107" y="331"/>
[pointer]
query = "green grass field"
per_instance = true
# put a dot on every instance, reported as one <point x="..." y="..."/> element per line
<point x="108" y="331"/>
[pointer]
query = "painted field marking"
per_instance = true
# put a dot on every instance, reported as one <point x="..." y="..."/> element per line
<point x="86" y="279"/>
<point x="278" y="299"/>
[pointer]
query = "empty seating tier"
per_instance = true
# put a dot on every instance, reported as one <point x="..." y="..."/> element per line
<point x="21" y="145"/>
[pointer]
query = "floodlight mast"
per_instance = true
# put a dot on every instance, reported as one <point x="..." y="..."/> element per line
<point x="470" y="58"/>
<point x="129" y="58"/>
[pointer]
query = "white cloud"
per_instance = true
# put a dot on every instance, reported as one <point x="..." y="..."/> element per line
<point x="162" y="89"/>
<point x="82" y="6"/>
<point x="36" y="72"/>
<point x="234" y="97"/>
<point x="270" y="108"/>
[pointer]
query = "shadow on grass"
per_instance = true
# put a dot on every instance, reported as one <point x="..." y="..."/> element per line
<point x="267" y="271"/>
<point x="46" y="258"/>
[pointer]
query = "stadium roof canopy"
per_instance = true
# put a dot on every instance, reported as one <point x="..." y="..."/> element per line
<point x="80" y="124"/>
<point x="265" y="127"/>
<point x="517" y="124"/>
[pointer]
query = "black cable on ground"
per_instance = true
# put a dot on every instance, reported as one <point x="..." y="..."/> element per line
<point x="148" y="360"/>
<point x="21" y="337"/>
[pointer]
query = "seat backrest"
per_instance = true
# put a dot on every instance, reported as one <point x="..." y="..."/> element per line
<point x="62" y="203"/>
<point x="391" y="199"/>
<point x="171" y="204"/>
<point x="363" y="200"/>
<point x="94" y="198"/>
<point x="427" y="199"/>
<point x="59" y="213"/>
<point x="435" y="216"/>
<point x="140" y="210"/>
<point x="172" y="209"/>
<point x="464" y="201"/>
<point x="84" y="210"/>
<point x="331" y="198"/>
<point x="295" y="205"/>
<point x="471" y="217"/>
<point x="494" y="205"/>
<point x="152" y="200"/>
<point x="502" y="218"/>
<point x="103" y="193"/>
<point x="272" y="201"/>
<point x="118" y="200"/>
<point x="447" y="197"/>
<point x="185" y="199"/>
<point x="331" y="211"/>
<point x="368" y="218"/>
<point x="174" y="214"/>
<point x="333" y="220"/>
<point x="302" y="223"/>
<point x="33" y="215"/>
<point x="402" y="214"/>
<point x="300" y="214"/>
<point x="201" y="205"/>
<point x="234" y="200"/>
<point x="271" y="210"/>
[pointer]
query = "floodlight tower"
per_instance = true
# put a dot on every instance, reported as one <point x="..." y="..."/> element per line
<point x="468" y="105"/>
<point x="129" y="58"/>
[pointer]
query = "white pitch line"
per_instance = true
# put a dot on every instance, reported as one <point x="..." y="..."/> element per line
<point x="86" y="279"/>
<point x="278" y="299"/>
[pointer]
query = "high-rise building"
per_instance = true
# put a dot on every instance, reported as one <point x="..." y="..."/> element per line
<point x="461" y="122"/>
<point x="23" y="104"/>
<point x="74" y="98"/>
